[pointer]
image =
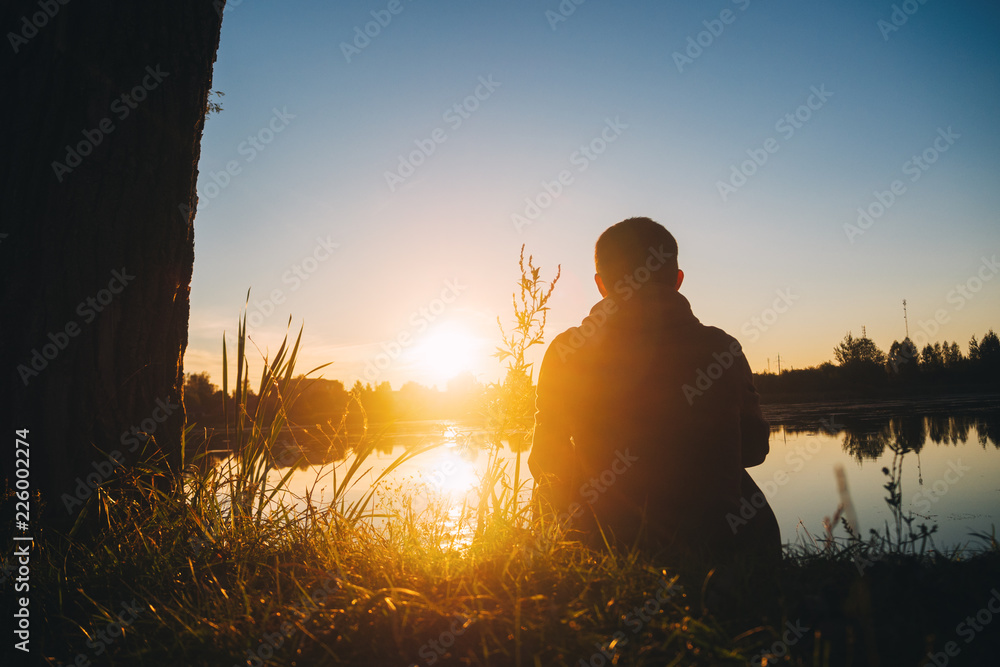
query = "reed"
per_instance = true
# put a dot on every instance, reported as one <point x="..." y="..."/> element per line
<point x="226" y="567"/>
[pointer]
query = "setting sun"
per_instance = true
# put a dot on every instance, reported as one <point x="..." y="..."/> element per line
<point x="444" y="352"/>
<point x="502" y="333"/>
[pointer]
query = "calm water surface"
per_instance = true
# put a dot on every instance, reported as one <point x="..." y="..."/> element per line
<point x="948" y="464"/>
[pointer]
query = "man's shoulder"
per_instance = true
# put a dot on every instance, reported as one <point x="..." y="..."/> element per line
<point x="723" y="338"/>
<point x="565" y="344"/>
<point x="589" y="330"/>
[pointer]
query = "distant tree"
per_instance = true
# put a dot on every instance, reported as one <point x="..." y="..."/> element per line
<point x="382" y="399"/>
<point x="860" y="359"/>
<point x="903" y="358"/>
<point x="320" y="401"/>
<point x="199" y="393"/>
<point x="844" y="352"/>
<point x="989" y="350"/>
<point x="907" y="433"/>
<point x="378" y="401"/>
<point x="414" y="401"/>
<point x="973" y="349"/>
<point x="952" y="355"/>
<point x="866" y="443"/>
<point x="857" y="365"/>
<point x="931" y="357"/>
<point x="861" y="350"/>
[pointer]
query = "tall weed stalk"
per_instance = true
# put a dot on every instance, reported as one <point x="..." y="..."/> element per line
<point x="509" y="405"/>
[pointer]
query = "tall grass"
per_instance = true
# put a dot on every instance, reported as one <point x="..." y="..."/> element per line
<point x="227" y="567"/>
<point x="256" y="432"/>
<point x="509" y="404"/>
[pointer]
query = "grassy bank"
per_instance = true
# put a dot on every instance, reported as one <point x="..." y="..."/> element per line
<point x="207" y="587"/>
<point x="215" y="568"/>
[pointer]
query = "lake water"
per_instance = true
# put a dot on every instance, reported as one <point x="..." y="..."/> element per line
<point x="945" y="455"/>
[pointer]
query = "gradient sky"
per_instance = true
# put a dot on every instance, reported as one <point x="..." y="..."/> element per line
<point x="680" y="130"/>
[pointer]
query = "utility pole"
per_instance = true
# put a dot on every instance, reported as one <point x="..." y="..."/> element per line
<point x="779" y="363"/>
<point x="906" y="324"/>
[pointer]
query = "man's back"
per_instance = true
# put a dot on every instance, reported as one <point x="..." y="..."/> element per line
<point x="663" y="418"/>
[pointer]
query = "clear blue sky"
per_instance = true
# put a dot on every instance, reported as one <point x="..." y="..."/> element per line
<point x="673" y="129"/>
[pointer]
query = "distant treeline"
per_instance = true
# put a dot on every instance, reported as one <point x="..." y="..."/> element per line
<point x="862" y="368"/>
<point x="325" y="400"/>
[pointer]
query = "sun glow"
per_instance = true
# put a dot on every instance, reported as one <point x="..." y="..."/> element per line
<point x="446" y="351"/>
<point x="452" y="476"/>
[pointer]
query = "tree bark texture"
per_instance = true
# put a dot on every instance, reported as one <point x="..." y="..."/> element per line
<point x="103" y="115"/>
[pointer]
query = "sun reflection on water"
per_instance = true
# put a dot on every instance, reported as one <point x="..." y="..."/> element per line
<point x="438" y="489"/>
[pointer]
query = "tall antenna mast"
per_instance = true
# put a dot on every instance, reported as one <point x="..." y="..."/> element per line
<point x="905" y="322"/>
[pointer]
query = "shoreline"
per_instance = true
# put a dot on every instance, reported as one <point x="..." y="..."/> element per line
<point x="785" y="410"/>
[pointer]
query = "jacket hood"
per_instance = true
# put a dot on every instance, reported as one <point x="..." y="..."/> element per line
<point x="652" y="304"/>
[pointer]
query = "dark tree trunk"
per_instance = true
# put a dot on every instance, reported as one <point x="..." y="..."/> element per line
<point x="98" y="199"/>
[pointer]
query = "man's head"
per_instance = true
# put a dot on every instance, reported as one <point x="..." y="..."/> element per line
<point x="636" y="250"/>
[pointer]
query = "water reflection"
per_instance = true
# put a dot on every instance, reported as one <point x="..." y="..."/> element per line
<point x="948" y="480"/>
<point x="302" y="446"/>
<point x="866" y="438"/>
<point x="807" y="445"/>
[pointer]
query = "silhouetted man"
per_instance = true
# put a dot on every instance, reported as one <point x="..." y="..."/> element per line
<point x="646" y="418"/>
